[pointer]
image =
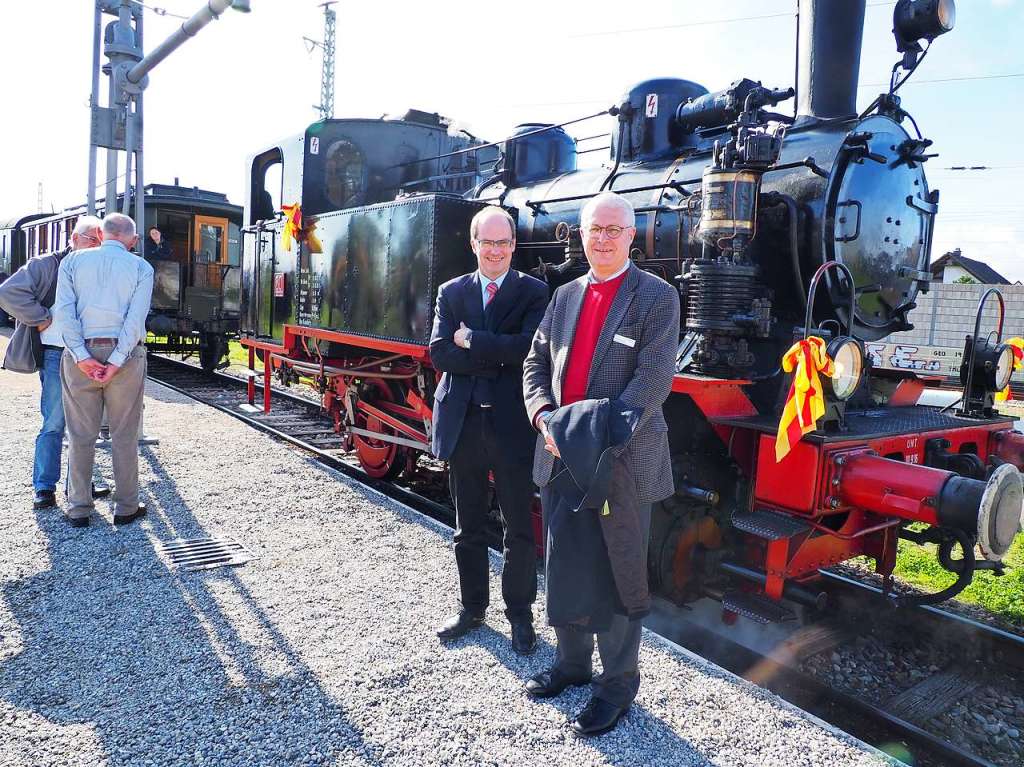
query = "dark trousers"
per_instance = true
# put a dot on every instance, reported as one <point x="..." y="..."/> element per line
<point x="619" y="648"/>
<point x="478" y="452"/>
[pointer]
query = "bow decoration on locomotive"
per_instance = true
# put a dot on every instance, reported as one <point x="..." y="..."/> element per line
<point x="295" y="229"/>
<point x="805" y="403"/>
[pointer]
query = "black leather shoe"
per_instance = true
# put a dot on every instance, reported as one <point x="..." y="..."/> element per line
<point x="524" y="638"/>
<point x="78" y="521"/>
<point x="100" y="490"/>
<point x="548" y="684"/>
<point x="597" y="718"/>
<point x="459" y="625"/>
<point x="124" y="519"/>
<point x="44" y="499"/>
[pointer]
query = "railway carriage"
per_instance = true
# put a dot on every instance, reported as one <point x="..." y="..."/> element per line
<point x="792" y="240"/>
<point x="196" y="292"/>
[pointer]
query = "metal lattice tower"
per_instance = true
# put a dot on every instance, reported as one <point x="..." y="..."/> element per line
<point x="327" y="75"/>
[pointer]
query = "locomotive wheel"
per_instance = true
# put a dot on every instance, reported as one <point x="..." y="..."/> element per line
<point x="212" y="349"/>
<point x="379" y="459"/>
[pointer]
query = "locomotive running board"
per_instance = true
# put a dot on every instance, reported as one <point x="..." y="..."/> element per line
<point x="756" y="607"/>
<point x="205" y="553"/>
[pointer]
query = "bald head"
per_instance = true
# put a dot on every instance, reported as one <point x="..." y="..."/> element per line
<point x="117" y="226"/>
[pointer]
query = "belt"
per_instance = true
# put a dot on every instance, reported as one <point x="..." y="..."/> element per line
<point x="485" y="406"/>
<point x="101" y="341"/>
<point x="53" y="348"/>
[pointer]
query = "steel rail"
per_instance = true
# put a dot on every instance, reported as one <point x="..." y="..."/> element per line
<point x="398" y="493"/>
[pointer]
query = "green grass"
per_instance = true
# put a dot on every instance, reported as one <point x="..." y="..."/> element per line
<point x="239" y="355"/>
<point x="1002" y="596"/>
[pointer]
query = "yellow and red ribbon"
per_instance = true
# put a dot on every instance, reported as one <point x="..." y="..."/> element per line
<point x="294" y="229"/>
<point x="1018" y="363"/>
<point x="805" y="403"/>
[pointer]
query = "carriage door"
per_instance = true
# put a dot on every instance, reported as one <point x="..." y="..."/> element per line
<point x="210" y="242"/>
<point x="209" y="261"/>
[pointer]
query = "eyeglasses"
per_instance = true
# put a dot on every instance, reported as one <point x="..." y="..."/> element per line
<point x="495" y="243"/>
<point x="611" y="230"/>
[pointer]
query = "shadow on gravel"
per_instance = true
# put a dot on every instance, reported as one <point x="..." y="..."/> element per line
<point x="157" y="665"/>
<point x="641" y="729"/>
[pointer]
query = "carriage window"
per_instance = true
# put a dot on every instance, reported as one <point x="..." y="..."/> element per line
<point x="344" y="169"/>
<point x="234" y="245"/>
<point x="42" y="238"/>
<point x="69" y="228"/>
<point x="31" y="249"/>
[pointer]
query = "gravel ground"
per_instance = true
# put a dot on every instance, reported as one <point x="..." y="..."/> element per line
<point x="988" y="720"/>
<point x="319" y="651"/>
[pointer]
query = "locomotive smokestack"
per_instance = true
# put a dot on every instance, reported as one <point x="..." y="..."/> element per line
<point x="831" y="32"/>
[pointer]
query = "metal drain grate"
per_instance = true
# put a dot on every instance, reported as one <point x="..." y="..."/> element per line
<point x="205" y="553"/>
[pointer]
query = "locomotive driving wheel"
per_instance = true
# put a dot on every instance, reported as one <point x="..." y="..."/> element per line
<point x="379" y="458"/>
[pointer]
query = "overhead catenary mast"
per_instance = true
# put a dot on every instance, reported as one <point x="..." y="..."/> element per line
<point x="326" y="105"/>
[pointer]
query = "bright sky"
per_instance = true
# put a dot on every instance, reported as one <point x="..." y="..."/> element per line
<point x="247" y="80"/>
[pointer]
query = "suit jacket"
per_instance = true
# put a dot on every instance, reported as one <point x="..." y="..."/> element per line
<point x="645" y="311"/>
<point x="501" y="340"/>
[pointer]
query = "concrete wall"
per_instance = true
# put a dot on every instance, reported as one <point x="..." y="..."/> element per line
<point x="943" y="317"/>
<point x="945" y="314"/>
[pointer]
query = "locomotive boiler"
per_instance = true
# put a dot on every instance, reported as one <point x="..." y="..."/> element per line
<point x="781" y="232"/>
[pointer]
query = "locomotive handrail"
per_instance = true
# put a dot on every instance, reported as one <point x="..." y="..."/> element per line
<point x="814" y="287"/>
<point x="964" y="398"/>
<point x="675" y="185"/>
<point x="478" y="147"/>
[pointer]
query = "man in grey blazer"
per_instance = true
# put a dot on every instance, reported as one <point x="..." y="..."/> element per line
<point x="36" y="346"/>
<point x="611" y="334"/>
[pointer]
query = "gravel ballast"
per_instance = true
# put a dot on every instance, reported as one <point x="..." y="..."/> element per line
<point x="321" y="650"/>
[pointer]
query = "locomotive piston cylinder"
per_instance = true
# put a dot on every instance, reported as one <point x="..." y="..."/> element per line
<point x="988" y="512"/>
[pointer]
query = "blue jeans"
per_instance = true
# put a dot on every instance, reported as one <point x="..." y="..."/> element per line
<point x="46" y="470"/>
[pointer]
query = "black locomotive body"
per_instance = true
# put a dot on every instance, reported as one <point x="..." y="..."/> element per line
<point x="196" y="289"/>
<point x="746" y="210"/>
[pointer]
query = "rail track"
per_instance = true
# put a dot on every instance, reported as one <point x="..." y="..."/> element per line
<point x="892" y="723"/>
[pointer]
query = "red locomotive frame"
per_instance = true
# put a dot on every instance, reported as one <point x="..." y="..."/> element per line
<point x="827" y="501"/>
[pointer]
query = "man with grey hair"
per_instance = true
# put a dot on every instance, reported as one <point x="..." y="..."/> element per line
<point x="37" y="345"/>
<point x="599" y="370"/>
<point x="103" y="297"/>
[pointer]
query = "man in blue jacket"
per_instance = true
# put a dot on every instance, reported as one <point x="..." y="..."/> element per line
<point x="483" y="325"/>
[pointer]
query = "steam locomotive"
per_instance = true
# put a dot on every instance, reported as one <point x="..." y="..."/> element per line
<point x="775" y="229"/>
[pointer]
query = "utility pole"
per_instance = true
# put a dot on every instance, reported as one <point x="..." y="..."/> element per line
<point x="118" y="126"/>
<point x="326" y="106"/>
<point x="39" y="197"/>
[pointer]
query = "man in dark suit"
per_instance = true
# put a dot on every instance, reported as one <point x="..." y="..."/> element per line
<point x="610" y="335"/>
<point x="483" y="325"/>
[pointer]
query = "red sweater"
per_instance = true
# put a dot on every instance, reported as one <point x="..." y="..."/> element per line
<point x="596" y="303"/>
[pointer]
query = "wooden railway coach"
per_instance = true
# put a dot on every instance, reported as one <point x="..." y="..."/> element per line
<point x="195" y="306"/>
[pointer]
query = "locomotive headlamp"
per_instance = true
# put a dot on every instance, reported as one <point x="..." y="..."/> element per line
<point x="915" y="20"/>
<point x="848" y="366"/>
<point x="993" y="366"/>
